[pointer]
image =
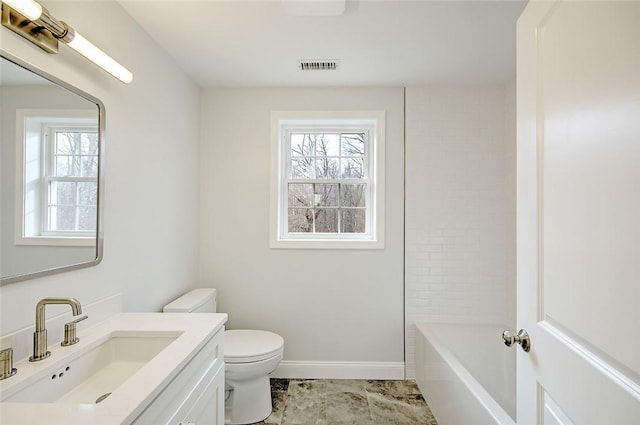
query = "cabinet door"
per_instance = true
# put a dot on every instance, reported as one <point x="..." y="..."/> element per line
<point x="209" y="408"/>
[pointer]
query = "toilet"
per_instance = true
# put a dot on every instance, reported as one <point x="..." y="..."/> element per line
<point x="249" y="357"/>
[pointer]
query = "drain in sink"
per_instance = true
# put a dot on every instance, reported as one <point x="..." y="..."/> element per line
<point x="102" y="397"/>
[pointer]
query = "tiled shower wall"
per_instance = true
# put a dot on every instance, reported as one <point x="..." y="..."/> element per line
<point x="460" y="208"/>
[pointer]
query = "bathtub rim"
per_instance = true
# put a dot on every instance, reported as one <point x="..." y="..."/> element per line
<point x="481" y="395"/>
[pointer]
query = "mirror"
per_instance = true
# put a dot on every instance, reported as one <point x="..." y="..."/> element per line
<point x="51" y="174"/>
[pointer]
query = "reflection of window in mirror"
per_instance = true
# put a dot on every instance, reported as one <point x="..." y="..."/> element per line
<point x="57" y="182"/>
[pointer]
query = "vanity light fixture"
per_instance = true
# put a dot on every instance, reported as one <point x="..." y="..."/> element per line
<point x="32" y="21"/>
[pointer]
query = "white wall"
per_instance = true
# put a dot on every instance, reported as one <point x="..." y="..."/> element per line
<point x="151" y="197"/>
<point x="460" y="207"/>
<point x="329" y="305"/>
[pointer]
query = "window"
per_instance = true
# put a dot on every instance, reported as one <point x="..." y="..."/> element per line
<point x="57" y="177"/>
<point x="327" y="189"/>
<point x="70" y="180"/>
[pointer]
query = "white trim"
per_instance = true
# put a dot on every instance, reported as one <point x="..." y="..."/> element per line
<point x="339" y="370"/>
<point x="56" y="241"/>
<point x="374" y="120"/>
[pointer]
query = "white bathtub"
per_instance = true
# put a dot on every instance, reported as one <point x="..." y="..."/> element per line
<point x="466" y="373"/>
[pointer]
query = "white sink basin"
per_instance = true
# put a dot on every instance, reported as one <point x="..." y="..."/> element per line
<point x="96" y="373"/>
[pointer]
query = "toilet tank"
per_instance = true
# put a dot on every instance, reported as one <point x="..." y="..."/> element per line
<point x="201" y="300"/>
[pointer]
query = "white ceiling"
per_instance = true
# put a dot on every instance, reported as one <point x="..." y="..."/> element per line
<point x="381" y="43"/>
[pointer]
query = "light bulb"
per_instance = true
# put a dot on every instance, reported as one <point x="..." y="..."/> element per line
<point x="28" y="8"/>
<point x="100" y="58"/>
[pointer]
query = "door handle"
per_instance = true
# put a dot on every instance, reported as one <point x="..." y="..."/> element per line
<point x="521" y="338"/>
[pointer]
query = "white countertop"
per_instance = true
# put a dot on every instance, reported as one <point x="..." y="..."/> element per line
<point x="133" y="395"/>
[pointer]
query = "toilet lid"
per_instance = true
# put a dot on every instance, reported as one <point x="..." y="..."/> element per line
<point x="244" y="346"/>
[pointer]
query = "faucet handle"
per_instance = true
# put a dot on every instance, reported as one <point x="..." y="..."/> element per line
<point x="70" y="332"/>
<point x="6" y="361"/>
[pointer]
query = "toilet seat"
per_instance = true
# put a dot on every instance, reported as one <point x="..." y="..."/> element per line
<point x="247" y="346"/>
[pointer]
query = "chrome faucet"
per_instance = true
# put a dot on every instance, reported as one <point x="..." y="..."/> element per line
<point x="40" y="335"/>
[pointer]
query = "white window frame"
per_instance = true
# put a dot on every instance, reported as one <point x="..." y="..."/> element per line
<point x="285" y="122"/>
<point x="49" y="130"/>
<point x="32" y="126"/>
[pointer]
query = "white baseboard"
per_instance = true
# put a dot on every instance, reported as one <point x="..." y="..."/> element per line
<point x="339" y="370"/>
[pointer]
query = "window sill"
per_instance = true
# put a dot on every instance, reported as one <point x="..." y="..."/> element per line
<point x="56" y="241"/>
<point x="325" y="244"/>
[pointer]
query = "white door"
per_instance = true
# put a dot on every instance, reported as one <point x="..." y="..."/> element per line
<point x="578" y="80"/>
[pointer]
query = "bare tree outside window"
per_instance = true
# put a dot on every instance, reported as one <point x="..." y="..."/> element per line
<point x="327" y="187"/>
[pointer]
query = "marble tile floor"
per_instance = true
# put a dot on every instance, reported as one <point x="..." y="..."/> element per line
<point x="347" y="402"/>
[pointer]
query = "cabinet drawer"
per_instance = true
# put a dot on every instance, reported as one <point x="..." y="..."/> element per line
<point x="208" y="402"/>
<point x="181" y="392"/>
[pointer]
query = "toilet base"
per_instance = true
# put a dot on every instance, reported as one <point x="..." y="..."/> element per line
<point x="247" y="402"/>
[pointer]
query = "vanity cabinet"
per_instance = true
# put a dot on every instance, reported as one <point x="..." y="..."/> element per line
<point x="195" y="396"/>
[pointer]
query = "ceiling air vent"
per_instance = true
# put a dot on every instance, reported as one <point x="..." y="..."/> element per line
<point x="318" y="65"/>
